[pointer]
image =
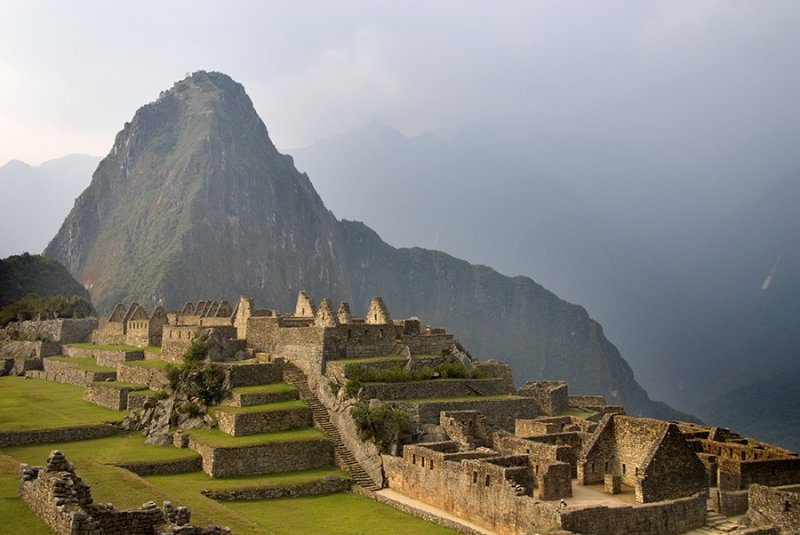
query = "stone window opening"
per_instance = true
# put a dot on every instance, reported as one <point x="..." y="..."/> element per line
<point x="423" y="462"/>
<point x="430" y="464"/>
<point x="380" y="333"/>
<point x="474" y="477"/>
<point x="606" y="467"/>
<point x="488" y="480"/>
<point x="787" y="507"/>
<point x="636" y="472"/>
<point x="623" y="469"/>
<point x="591" y="468"/>
<point x="349" y="333"/>
<point x="414" y="459"/>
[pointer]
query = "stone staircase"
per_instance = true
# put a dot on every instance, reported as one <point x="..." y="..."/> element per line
<point x="296" y="378"/>
<point x="716" y="524"/>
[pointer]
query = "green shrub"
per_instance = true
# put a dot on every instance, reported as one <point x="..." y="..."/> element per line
<point x="196" y="378"/>
<point x="382" y="424"/>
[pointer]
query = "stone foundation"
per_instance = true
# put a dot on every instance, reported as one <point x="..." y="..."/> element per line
<point x="238" y="424"/>
<point x="105" y="357"/>
<point x="323" y="486"/>
<point x="109" y="395"/>
<point x="70" y="373"/>
<point x="155" y="378"/>
<point x="264" y="458"/>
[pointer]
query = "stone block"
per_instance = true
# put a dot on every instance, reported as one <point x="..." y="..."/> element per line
<point x="612" y="483"/>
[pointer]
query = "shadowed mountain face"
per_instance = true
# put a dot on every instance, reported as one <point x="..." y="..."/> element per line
<point x="24" y="274"/>
<point x="194" y="201"/>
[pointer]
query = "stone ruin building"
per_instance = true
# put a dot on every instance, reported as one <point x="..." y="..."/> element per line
<point x="511" y="460"/>
<point x="64" y="502"/>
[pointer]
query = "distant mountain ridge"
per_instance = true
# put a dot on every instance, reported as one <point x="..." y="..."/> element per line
<point x="24" y="274"/>
<point x="194" y="201"/>
<point x="464" y="199"/>
<point x="42" y="195"/>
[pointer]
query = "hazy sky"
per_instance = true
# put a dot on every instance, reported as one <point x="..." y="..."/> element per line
<point x="675" y="89"/>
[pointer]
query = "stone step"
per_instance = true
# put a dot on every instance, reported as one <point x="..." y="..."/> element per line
<point x="296" y="378"/>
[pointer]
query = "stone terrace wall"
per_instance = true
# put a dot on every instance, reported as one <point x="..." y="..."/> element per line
<point x="264" y="458"/>
<point x="427" y="344"/>
<point x="663" y="518"/>
<point x="105" y="357"/>
<point x="323" y="486"/>
<point x="439" y="388"/>
<point x="178" y="466"/>
<point x="155" y="378"/>
<point x="111" y="397"/>
<point x="19" y="365"/>
<point x="62" y="434"/>
<point x="61" y="331"/>
<point x="293" y="343"/>
<point x="498" y="413"/>
<point x="28" y="348"/>
<point x="67" y="372"/>
<point x="249" y="423"/>
<point x="260" y="373"/>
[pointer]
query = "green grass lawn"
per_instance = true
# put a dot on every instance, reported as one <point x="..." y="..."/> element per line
<point x="36" y="404"/>
<point x="213" y="437"/>
<point x="274" y="388"/>
<point x="149" y="364"/>
<point x="575" y="411"/>
<point x="27" y="404"/>
<point x="343" y="514"/>
<point x="198" y="481"/>
<point x="295" y="404"/>
<point x="84" y="363"/>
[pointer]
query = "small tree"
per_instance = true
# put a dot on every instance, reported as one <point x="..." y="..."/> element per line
<point x="382" y="424"/>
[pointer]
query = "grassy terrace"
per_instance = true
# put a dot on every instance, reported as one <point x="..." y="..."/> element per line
<point x="292" y="405"/>
<point x="84" y="363"/>
<point x="33" y="403"/>
<point x="27" y="404"/>
<point x="150" y="364"/>
<point x="462" y="398"/>
<point x="198" y="481"/>
<point x="218" y="439"/>
<point x="120" y="385"/>
<point x="115" y="347"/>
<point x="274" y="388"/>
<point x="575" y="411"/>
<point x="385" y="358"/>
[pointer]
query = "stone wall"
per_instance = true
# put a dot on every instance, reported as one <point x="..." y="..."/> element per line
<point x="109" y="332"/>
<point x="239" y="399"/>
<point x="155" y="378"/>
<point x="434" y="388"/>
<point x="68" y="372"/>
<point x="62" y="434"/>
<point x="240" y="423"/>
<point x="108" y="395"/>
<point x="19" y="365"/>
<point x="427" y="344"/>
<point x="137" y="399"/>
<point x="178" y="466"/>
<point x="498" y="412"/>
<point x="61" y="331"/>
<point x="105" y="357"/>
<point x="779" y="507"/>
<point x="735" y="475"/>
<point x="471" y="489"/>
<point x="264" y="458"/>
<point x="510" y="444"/>
<point x="664" y="518"/>
<point x="729" y="503"/>
<point x="29" y="348"/>
<point x="314" y="488"/>
<point x="64" y="502"/>
<point x="551" y="397"/>
<point x="256" y="373"/>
